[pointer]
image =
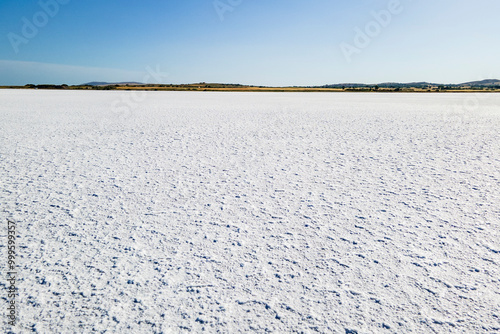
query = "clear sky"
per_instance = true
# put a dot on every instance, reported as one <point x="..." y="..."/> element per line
<point x="260" y="42"/>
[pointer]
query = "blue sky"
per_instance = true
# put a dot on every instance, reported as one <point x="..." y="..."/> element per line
<point x="260" y="42"/>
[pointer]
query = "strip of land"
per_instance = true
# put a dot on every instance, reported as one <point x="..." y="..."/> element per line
<point x="491" y="85"/>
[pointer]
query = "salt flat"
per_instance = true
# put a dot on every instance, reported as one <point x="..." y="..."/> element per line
<point x="177" y="212"/>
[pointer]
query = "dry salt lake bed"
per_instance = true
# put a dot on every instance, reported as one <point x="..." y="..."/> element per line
<point x="184" y="212"/>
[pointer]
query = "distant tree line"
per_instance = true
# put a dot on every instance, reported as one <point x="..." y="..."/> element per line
<point x="63" y="86"/>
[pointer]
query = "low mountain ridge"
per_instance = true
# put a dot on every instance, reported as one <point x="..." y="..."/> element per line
<point x="482" y="83"/>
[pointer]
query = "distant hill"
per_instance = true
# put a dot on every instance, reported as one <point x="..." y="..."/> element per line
<point x="99" y="83"/>
<point x="482" y="83"/>
<point x="421" y="85"/>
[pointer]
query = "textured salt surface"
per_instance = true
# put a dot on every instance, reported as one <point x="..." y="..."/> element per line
<point x="252" y="212"/>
